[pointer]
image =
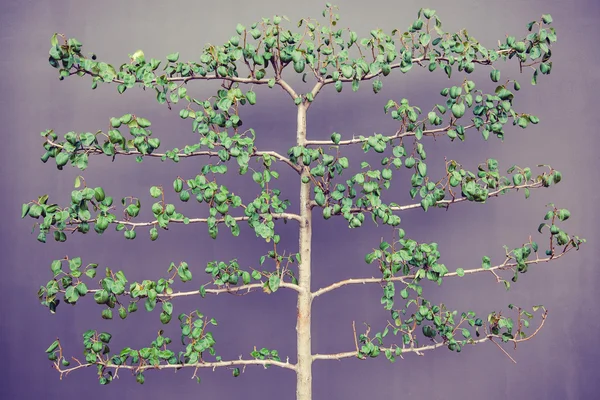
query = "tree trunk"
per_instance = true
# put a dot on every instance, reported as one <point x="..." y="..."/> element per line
<point x="304" y="363"/>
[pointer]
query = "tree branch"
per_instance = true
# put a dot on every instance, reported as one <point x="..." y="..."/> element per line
<point x="94" y="150"/>
<point x="191" y="220"/>
<point x="315" y="91"/>
<point x="285" y="86"/>
<point x="397" y="135"/>
<point x="419" y="350"/>
<point x="403" y="279"/>
<point x="185" y="79"/>
<point x="231" y="290"/>
<point x="213" y="365"/>
<point x="418" y="60"/>
<point x="495" y="193"/>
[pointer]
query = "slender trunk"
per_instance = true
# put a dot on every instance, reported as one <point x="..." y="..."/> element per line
<point x="304" y="365"/>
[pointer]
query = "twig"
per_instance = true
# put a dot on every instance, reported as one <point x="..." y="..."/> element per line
<point x="504" y="351"/>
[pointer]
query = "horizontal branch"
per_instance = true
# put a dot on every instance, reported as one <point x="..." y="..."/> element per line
<point x="348" y="354"/>
<point x="184" y="79"/>
<point x="418" y="61"/>
<point x="94" y="150"/>
<point x="283" y="84"/>
<point x="404" y="278"/>
<point x="495" y="193"/>
<point x="397" y="135"/>
<point x="421" y="349"/>
<point x="212" y="365"/>
<point x="417" y="350"/>
<point x="291" y="216"/>
<point x="231" y="290"/>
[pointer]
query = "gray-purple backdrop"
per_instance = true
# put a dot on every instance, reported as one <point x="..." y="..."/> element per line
<point x="560" y="363"/>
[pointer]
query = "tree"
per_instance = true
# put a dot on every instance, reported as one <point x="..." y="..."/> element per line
<point x="331" y="56"/>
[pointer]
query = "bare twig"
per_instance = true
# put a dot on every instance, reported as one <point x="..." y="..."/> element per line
<point x="504" y="351"/>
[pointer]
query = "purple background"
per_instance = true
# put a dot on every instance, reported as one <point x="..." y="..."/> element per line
<point x="560" y="363"/>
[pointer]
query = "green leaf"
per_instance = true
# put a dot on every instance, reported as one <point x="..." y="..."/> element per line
<point x="52" y="347"/>
<point x="167" y="307"/>
<point x="377" y="85"/>
<point x="460" y="272"/>
<point x="139" y="378"/>
<point x="338" y="86"/>
<point x="155" y="191"/>
<point x="299" y="66"/>
<point x="422" y="169"/>
<point x="274" y="282"/>
<point x="173" y="57"/>
<point x="251" y="97"/>
<point x="178" y="185"/>
<point x="81" y="288"/>
<point x="246" y="277"/>
<point x="534" y="77"/>
<point x="486" y="262"/>
<point x="62" y="159"/>
<point x="143" y="122"/>
<point x="54" y="40"/>
<point x="75" y="263"/>
<point x="56" y="267"/>
<point x="563" y="214"/>
<point x="99" y="194"/>
<point x="458" y="110"/>
<point x="347" y="71"/>
<point x="495" y="75"/>
<point x="320" y="199"/>
<point x="24" y="210"/>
